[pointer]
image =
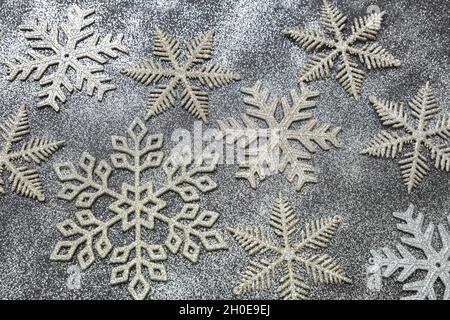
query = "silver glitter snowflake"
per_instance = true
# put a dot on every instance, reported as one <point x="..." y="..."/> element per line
<point x="421" y="135"/>
<point x="274" y="147"/>
<point x="137" y="208"/>
<point x="23" y="181"/>
<point x="181" y="74"/>
<point x="289" y="254"/>
<point x="52" y="59"/>
<point x="348" y="74"/>
<point x="431" y="266"/>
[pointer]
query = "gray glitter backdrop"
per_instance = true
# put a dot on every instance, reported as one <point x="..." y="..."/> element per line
<point x="364" y="191"/>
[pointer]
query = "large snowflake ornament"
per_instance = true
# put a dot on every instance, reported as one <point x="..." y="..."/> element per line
<point x="427" y="259"/>
<point x="52" y="58"/>
<point x="349" y="75"/>
<point x="421" y="134"/>
<point x="274" y="147"/>
<point x="181" y="74"/>
<point x="290" y="256"/>
<point x="23" y="181"/>
<point x="137" y="208"/>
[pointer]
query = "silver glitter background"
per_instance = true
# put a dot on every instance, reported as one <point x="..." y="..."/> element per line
<point x="364" y="191"/>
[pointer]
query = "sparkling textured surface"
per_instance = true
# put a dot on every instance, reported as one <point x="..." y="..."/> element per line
<point x="363" y="190"/>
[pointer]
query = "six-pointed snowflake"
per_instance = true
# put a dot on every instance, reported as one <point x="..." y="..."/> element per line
<point x="421" y="135"/>
<point x="435" y="262"/>
<point x="81" y="43"/>
<point x="181" y="74"/>
<point x="348" y="73"/>
<point x="289" y="254"/>
<point x="137" y="207"/>
<point x="272" y="149"/>
<point x="23" y="181"/>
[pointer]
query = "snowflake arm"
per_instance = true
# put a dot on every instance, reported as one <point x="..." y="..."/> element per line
<point x="318" y="67"/>
<point x="81" y="43"/>
<point x="350" y="76"/>
<point x="166" y="47"/>
<point x="309" y="39"/>
<point x="257" y="276"/>
<point x="366" y="28"/>
<point x="195" y="100"/>
<point x="283" y="220"/>
<point x="386" y="144"/>
<point x="15" y="128"/>
<point x="200" y="49"/>
<point x="333" y="20"/>
<point x="391" y="113"/>
<point x="375" y="56"/>
<point x="253" y="240"/>
<point x="318" y="233"/>
<point x="413" y="167"/>
<point x="324" y="269"/>
<point x="292" y="285"/>
<point x="424" y="105"/>
<point x="441" y="155"/>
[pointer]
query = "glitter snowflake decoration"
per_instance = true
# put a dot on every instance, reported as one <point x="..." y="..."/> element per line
<point x="432" y="265"/>
<point x="137" y="207"/>
<point x="421" y="135"/>
<point x="181" y="74"/>
<point x="272" y="149"/>
<point x="52" y="59"/>
<point x="289" y="254"/>
<point x="348" y="74"/>
<point x="23" y="181"/>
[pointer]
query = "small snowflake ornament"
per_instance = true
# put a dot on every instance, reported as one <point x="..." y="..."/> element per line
<point x="137" y="208"/>
<point x="421" y="133"/>
<point x="283" y="145"/>
<point x="181" y="74"/>
<point x="349" y="75"/>
<point x="23" y="181"/>
<point x="427" y="259"/>
<point x="289" y="256"/>
<point x="52" y="59"/>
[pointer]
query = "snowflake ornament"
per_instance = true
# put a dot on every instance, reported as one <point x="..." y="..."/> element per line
<point x="52" y="59"/>
<point x="181" y="74"/>
<point x="421" y="134"/>
<point x="137" y="208"/>
<point x="364" y="29"/>
<point x="289" y="254"/>
<point x="272" y="149"/>
<point x="433" y="267"/>
<point x="23" y="181"/>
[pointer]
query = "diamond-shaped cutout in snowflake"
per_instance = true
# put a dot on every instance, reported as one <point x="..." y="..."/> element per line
<point x="421" y="135"/>
<point x="136" y="207"/>
<point x="289" y="255"/>
<point x="272" y="148"/>
<point x="52" y="59"/>
<point x="181" y="74"/>
<point x="428" y="259"/>
<point x="23" y="181"/>
<point x="349" y="75"/>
